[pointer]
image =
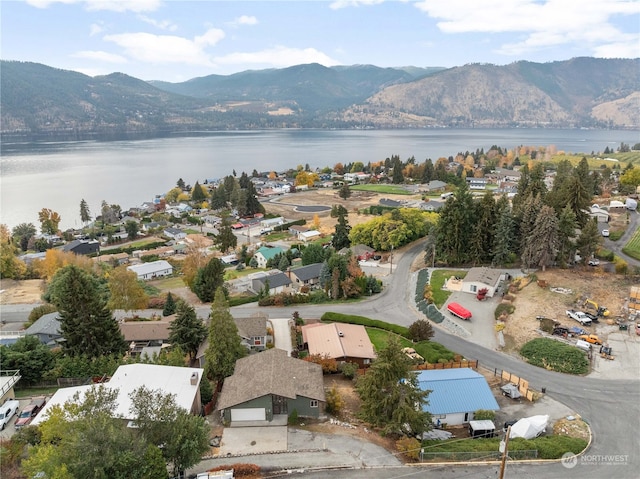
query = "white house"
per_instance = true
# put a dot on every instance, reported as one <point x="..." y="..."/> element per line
<point x="175" y="233"/>
<point x="152" y="270"/>
<point x="182" y="383"/>
<point x="480" y="278"/>
<point x="309" y="235"/>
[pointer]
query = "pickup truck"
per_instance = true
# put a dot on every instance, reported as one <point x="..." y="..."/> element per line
<point x="579" y="316"/>
<point x="7" y="411"/>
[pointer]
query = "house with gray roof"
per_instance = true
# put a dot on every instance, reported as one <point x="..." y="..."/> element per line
<point x="277" y="283"/>
<point x="174" y="233"/>
<point x="46" y="329"/>
<point x="456" y="394"/>
<point x="152" y="270"/>
<point x="308" y="275"/>
<point x="483" y="277"/>
<point x="82" y="247"/>
<point x="253" y="331"/>
<point x="266" y="387"/>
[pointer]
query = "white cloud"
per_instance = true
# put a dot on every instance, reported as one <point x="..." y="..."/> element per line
<point x="352" y="3"/>
<point x="95" y="28"/>
<point x="100" y="56"/>
<point x="111" y="5"/>
<point x="278" y="57"/>
<point x="544" y="23"/>
<point x="162" y="24"/>
<point x="244" y="20"/>
<point x="161" y="49"/>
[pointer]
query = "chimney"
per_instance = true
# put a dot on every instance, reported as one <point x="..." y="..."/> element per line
<point x="194" y="379"/>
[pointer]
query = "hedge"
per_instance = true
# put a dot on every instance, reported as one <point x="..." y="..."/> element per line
<point x="238" y="300"/>
<point x="555" y="356"/>
<point x="286" y="226"/>
<point x="364" y="321"/>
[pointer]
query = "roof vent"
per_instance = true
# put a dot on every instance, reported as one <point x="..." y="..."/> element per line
<point x="341" y="334"/>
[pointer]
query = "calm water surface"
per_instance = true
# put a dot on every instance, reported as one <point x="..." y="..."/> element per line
<point x="59" y="175"/>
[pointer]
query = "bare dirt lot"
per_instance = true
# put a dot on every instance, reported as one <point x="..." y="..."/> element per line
<point x="21" y="292"/>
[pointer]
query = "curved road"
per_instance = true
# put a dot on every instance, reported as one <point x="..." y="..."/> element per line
<point x="611" y="407"/>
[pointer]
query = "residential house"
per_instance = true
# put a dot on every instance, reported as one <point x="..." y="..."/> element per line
<point x="601" y="215"/>
<point x="310" y="235"/>
<point x="431" y="205"/>
<point x="47" y="329"/>
<point x="174" y="233"/>
<point x="456" y="394"/>
<point x="361" y="251"/>
<point x="183" y="383"/>
<point x="265" y="253"/>
<point x="271" y="222"/>
<point x="30" y="257"/>
<point x="84" y="247"/>
<point x="340" y="341"/>
<point x="305" y="275"/>
<point x="253" y="331"/>
<point x="229" y="259"/>
<point x="152" y="270"/>
<point x="266" y="387"/>
<point x="277" y="282"/>
<point x="477" y="183"/>
<point x="483" y="277"/>
<point x="434" y="186"/>
<point x="390" y="203"/>
<point x="117" y="258"/>
<point x="152" y="225"/>
<point x="296" y="230"/>
<point x="142" y="334"/>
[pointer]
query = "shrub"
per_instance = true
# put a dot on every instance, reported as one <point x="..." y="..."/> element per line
<point x="482" y="414"/>
<point x="504" y="309"/>
<point x="364" y="321"/>
<point x="329" y="365"/>
<point x="409" y="446"/>
<point x="349" y="370"/>
<point x="421" y="330"/>
<point x="239" y="469"/>
<point x="555" y="356"/>
<point x="293" y="418"/>
<point x="39" y="311"/>
<point x="335" y="402"/>
<point x="156" y="303"/>
<point x="206" y="391"/>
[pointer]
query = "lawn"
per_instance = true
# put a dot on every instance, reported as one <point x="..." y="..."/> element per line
<point x="384" y="189"/>
<point x="32" y="392"/>
<point x="164" y="284"/>
<point x="438" y="279"/>
<point x="429" y="350"/>
<point x="632" y="248"/>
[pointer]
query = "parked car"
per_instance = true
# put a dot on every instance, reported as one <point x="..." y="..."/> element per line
<point x="577" y="331"/>
<point x="605" y="233"/>
<point x="29" y="412"/>
<point x="561" y="331"/>
<point x="411" y="353"/>
<point x="638" y="329"/>
<point x="591" y="338"/>
<point x="594" y="262"/>
<point x="592" y="317"/>
<point x="511" y="390"/>
<point x="7" y="410"/>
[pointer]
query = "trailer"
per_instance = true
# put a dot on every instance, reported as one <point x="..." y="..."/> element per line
<point x="459" y="311"/>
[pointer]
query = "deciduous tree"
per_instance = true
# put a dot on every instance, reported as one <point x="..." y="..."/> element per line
<point x="49" y="221"/>
<point x="421" y="330"/>
<point x="126" y="291"/>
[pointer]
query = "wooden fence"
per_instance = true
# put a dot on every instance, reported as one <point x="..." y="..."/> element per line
<point x="523" y="384"/>
<point x="452" y="365"/>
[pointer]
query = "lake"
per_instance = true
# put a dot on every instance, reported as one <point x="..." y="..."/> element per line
<point x="59" y="175"/>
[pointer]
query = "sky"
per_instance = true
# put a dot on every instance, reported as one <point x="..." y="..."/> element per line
<point x="175" y="40"/>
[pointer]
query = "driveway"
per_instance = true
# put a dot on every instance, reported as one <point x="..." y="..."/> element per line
<point x="240" y="441"/>
<point x="282" y="333"/>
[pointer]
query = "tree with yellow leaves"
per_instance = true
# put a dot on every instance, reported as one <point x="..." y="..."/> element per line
<point x="126" y="291"/>
<point x="10" y="265"/>
<point x="56" y="259"/>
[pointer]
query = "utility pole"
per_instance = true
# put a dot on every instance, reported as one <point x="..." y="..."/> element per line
<point x="504" y="452"/>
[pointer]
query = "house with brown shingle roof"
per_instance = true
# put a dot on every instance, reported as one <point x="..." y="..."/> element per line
<point x="266" y="387"/>
<point x="340" y="341"/>
<point x="142" y="334"/>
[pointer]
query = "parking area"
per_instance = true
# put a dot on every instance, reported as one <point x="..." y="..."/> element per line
<point x="253" y="440"/>
<point x="10" y="429"/>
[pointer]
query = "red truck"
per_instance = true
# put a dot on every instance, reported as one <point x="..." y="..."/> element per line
<point x="459" y="311"/>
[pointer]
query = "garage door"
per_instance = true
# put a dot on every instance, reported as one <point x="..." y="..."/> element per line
<point x="249" y="414"/>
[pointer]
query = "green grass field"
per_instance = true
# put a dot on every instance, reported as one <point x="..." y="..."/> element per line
<point x="429" y="350"/>
<point x="384" y="189"/>
<point x="632" y="248"/>
<point x="438" y="278"/>
<point x="168" y="283"/>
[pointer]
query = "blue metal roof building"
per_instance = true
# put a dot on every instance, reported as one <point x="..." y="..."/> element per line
<point x="456" y="394"/>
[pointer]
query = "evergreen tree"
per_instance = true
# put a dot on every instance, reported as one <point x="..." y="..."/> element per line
<point x="198" y="194"/>
<point x="566" y="236"/>
<point x="429" y="171"/>
<point x="341" y="236"/>
<point x="208" y="280"/>
<point x="589" y="240"/>
<point x="284" y="263"/>
<point x="541" y="244"/>
<point x="169" y="305"/>
<point x="313" y="253"/>
<point x="579" y="199"/>
<point x="398" y="177"/>
<point x="85" y="214"/>
<point x="504" y="238"/>
<point x="225" y="239"/>
<point x="557" y="197"/>
<point x="483" y="229"/>
<point x="529" y="214"/>
<point x="344" y="192"/>
<point x="187" y="331"/>
<point x="453" y="232"/>
<point x="225" y="346"/>
<point x="218" y="198"/>
<point x="391" y="396"/>
<point x="86" y="323"/>
<point x="131" y="227"/>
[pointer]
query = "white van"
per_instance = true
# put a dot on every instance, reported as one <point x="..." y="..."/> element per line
<point x="444" y="196"/>
<point x="8" y="409"/>
<point x="585" y="346"/>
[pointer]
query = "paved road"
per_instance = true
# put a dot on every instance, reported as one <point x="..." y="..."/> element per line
<point x="616" y="246"/>
<point x="611" y="407"/>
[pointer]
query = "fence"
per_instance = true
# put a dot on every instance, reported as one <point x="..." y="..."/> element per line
<point x="452" y="365"/>
<point x="523" y="384"/>
<point x="479" y="456"/>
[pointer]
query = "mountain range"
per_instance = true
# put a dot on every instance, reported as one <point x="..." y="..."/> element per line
<point x="41" y="102"/>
